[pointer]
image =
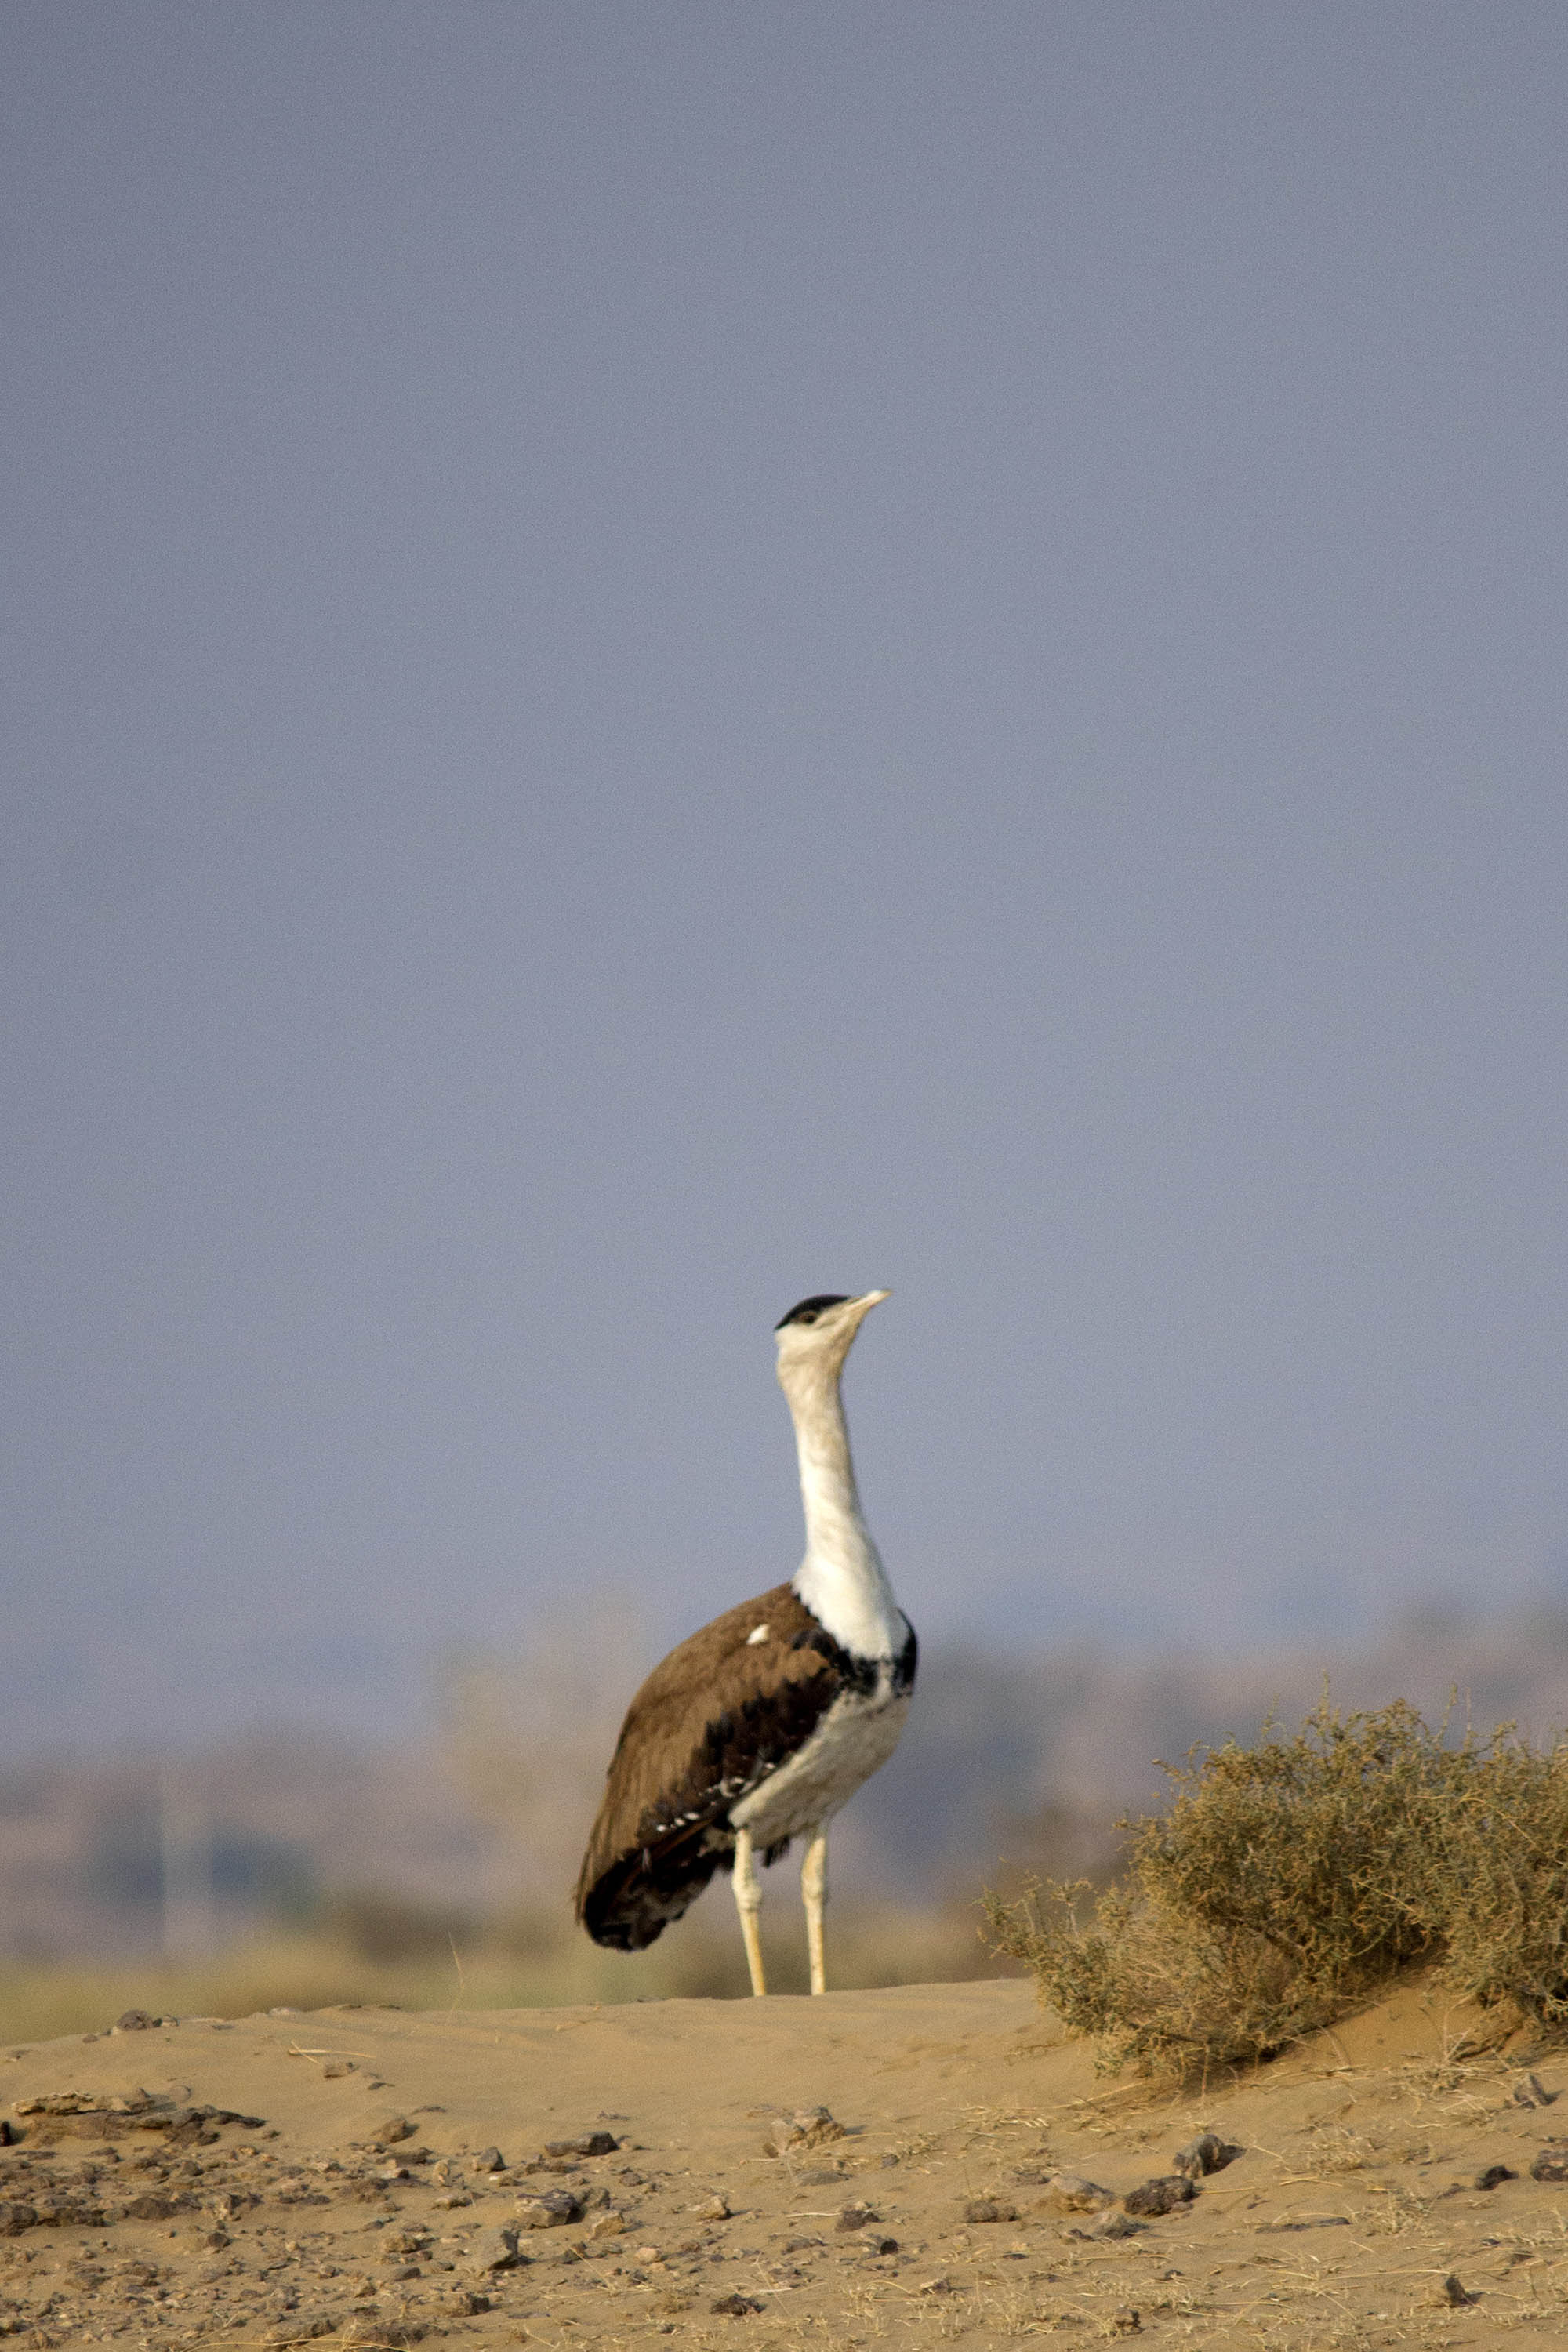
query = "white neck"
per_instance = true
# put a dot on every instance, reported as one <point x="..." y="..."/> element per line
<point x="841" y="1579"/>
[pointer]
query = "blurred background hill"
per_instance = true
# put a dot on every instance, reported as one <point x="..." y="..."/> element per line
<point x="440" y="1869"/>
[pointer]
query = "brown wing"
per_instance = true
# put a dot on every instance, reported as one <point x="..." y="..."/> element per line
<point x="715" y="1718"/>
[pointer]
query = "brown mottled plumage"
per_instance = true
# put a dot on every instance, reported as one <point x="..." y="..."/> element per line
<point x="662" y="1828"/>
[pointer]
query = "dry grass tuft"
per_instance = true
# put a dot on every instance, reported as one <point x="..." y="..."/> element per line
<point x="1289" y="1879"/>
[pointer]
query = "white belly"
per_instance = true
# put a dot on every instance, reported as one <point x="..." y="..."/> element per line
<point x="857" y="1735"/>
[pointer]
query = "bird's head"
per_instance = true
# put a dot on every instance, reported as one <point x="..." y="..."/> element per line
<point x="815" y="1337"/>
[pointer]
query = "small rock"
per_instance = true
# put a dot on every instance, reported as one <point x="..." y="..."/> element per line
<point x="607" y="2225"/>
<point x="488" y="2160"/>
<point x="1552" y="2163"/>
<point x="874" y="2245"/>
<point x="736" y="2306"/>
<point x="496" y="2250"/>
<point x="1533" y="2093"/>
<point x="856" y="2217"/>
<point x="1453" y="2294"/>
<point x="934" y="2286"/>
<point x="134" y="2020"/>
<point x="16" y="2217"/>
<point x="713" y="2208"/>
<point x="454" y="2200"/>
<point x="152" y="2207"/>
<point x="1208" y="2153"/>
<point x="1070" y="2192"/>
<point x="1161" y="2195"/>
<point x="807" y="2128"/>
<point x="983" y="2209"/>
<point x="586" y="2144"/>
<point x="71" y="2213"/>
<point x="554" y="2209"/>
<point x="467" y="2303"/>
<point x="1494" y="2176"/>
<point x="1124" y="2322"/>
<point x="395" y="2129"/>
<point x="1110" y="2225"/>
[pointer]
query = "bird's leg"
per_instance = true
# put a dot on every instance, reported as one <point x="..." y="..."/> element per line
<point x="814" y="1887"/>
<point x="749" y="1903"/>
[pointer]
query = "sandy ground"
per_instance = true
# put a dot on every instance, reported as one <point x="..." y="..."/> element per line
<point x="371" y="2176"/>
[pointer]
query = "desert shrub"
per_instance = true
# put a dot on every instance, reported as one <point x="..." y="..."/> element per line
<point x="1503" y="1883"/>
<point x="1291" y="1878"/>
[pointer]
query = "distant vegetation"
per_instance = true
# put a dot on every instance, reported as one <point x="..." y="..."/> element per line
<point x="1289" y="1879"/>
<point x="370" y="1951"/>
<point x="287" y="1866"/>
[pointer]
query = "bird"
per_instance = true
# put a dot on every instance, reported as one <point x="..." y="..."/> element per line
<point x="758" y="1729"/>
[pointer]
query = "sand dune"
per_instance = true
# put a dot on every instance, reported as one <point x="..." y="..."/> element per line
<point x="378" y="2178"/>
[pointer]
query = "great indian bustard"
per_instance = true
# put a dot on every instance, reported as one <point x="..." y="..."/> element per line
<point x="760" y="1728"/>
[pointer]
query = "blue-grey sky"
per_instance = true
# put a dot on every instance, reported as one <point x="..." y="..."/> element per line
<point x="660" y="657"/>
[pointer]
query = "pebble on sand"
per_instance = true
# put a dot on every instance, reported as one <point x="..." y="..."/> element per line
<point x="856" y="2217"/>
<point x="496" y="2250"/>
<point x="1161" y="2195"/>
<point x="1533" y="2093"/>
<point x="1110" y="2225"/>
<point x="807" y="2128"/>
<point x="1071" y="2192"/>
<point x="983" y="2209"/>
<point x="553" y="2209"/>
<point x="1208" y="2153"/>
